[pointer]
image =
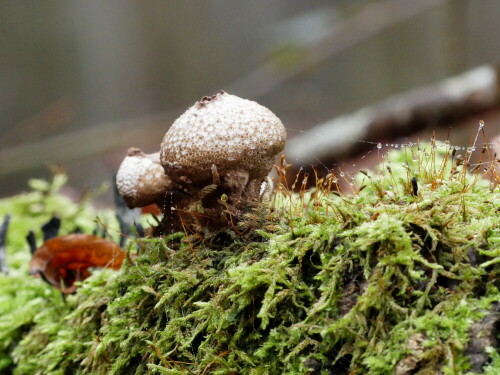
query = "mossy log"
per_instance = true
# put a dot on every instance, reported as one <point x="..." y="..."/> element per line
<point x="385" y="281"/>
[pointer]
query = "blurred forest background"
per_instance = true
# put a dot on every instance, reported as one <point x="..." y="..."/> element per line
<point x="81" y="81"/>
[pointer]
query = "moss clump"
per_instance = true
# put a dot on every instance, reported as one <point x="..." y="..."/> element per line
<point x="25" y="301"/>
<point x="379" y="282"/>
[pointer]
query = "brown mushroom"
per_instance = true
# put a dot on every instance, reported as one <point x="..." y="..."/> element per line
<point x="141" y="179"/>
<point x="235" y="137"/>
<point x="213" y="162"/>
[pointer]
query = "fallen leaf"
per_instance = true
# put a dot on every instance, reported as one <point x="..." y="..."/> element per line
<point x="63" y="260"/>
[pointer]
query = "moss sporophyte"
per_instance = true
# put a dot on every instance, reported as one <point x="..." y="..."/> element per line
<point x="384" y="279"/>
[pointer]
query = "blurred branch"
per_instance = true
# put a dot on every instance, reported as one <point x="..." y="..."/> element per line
<point x="51" y="119"/>
<point x="3" y="244"/>
<point x="371" y="20"/>
<point x="468" y="93"/>
<point x="471" y="92"/>
<point x="84" y="142"/>
<point x="104" y="137"/>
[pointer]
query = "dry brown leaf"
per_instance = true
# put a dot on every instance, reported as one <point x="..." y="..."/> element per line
<point x="63" y="260"/>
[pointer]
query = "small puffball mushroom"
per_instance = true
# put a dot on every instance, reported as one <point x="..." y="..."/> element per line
<point x="232" y="133"/>
<point x="141" y="179"/>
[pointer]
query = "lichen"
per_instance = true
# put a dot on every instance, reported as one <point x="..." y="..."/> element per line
<point x="377" y="282"/>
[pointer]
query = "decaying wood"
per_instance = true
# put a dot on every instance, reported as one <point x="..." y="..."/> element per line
<point x="483" y="334"/>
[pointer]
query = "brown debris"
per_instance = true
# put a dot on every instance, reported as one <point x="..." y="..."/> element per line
<point x="64" y="260"/>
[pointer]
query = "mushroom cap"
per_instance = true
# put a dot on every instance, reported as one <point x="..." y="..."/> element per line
<point x="141" y="179"/>
<point x="226" y="131"/>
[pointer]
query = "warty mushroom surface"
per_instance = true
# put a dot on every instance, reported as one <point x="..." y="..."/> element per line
<point x="226" y="131"/>
<point x="141" y="179"/>
<point x="222" y="146"/>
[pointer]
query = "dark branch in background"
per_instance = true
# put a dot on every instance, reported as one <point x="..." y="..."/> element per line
<point x="472" y="92"/>
<point x="51" y="228"/>
<point x="97" y="139"/>
<point x="3" y="244"/>
<point x="31" y="239"/>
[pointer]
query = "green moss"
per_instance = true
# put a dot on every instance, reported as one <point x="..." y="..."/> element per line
<point x="372" y="283"/>
<point x="25" y="301"/>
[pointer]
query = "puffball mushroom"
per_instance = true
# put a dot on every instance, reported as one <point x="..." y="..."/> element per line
<point x="213" y="163"/>
<point x="239" y="137"/>
<point x="141" y="179"/>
